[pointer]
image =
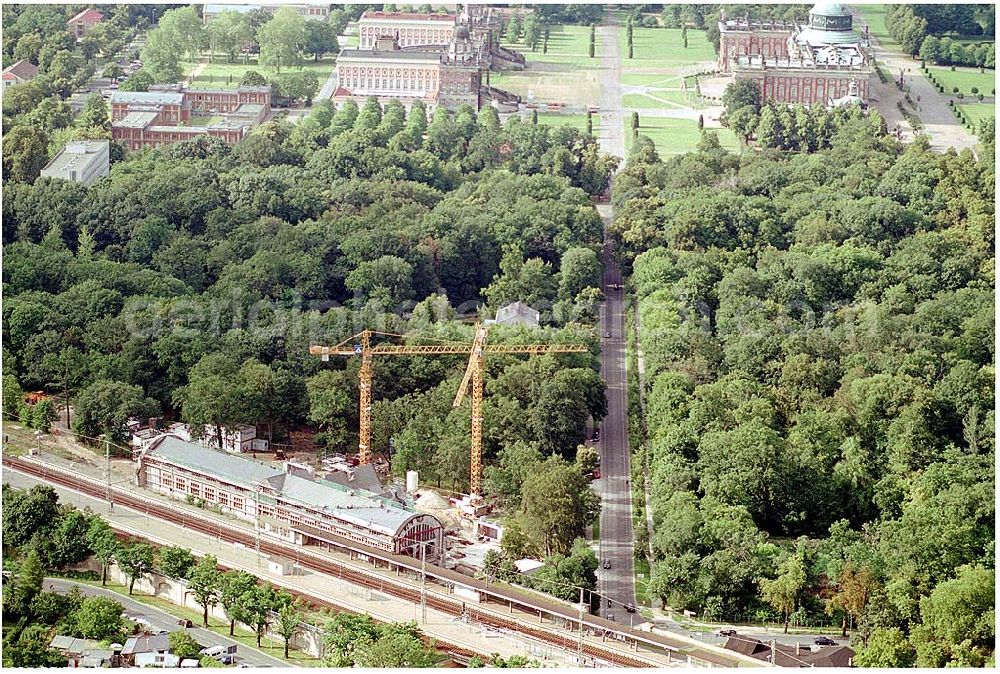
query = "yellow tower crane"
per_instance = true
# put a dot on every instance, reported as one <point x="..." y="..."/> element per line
<point x="361" y="345"/>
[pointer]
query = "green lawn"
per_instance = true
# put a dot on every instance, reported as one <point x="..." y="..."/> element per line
<point x="964" y="79"/>
<point x="655" y="48"/>
<point x="651" y="80"/>
<point x="567" y="44"/>
<point x="642" y="596"/>
<point x="977" y="111"/>
<point x="875" y="16"/>
<point x="243" y="636"/>
<point x="222" y="75"/>
<point x="572" y="87"/>
<point x="677" y="136"/>
<point x="643" y="101"/>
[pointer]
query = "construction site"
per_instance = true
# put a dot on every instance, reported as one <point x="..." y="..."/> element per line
<point x="327" y="499"/>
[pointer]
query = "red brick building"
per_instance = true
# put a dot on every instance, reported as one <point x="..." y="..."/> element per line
<point x="81" y="24"/>
<point x="740" y="37"/>
<point x="409" y="28"/>
<point x="820" y="63"/>
<point x="160" y="117"/>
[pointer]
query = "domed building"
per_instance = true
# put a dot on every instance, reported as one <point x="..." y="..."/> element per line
<point x="819" y="62"/>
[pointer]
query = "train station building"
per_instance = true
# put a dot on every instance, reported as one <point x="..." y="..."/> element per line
<point x="290" y="504"/>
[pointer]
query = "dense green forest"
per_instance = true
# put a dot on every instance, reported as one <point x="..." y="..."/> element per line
<point x="818" y="335"/>
<point x="192" y="280"/>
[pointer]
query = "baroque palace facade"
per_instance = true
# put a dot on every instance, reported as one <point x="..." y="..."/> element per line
<point x="822" y="63"/>
<point x="439" y="59"/>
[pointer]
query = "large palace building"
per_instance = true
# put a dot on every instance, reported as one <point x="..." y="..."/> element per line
<point x="822" y="63"/>
<point x="290" y="504"/>
<point x="410" y="29"/>
<point x="438" y="59"/>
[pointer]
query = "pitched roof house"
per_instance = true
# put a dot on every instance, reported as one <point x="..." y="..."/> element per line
<point x="19" y="72"/>
<point x="81" y="24"/>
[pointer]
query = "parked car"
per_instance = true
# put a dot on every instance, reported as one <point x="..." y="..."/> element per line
<point x="184" y="622"/>
<point x="630" y="608"/>
<point x="607" y="334"/>
<point x="726" y="632"/>
<point x="824" y="641"/>
<point x="596" y="435"/>
<point x="611" y="617"/>
<point x="607" y="563"/>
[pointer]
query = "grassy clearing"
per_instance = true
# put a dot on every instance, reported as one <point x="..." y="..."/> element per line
<point x="642" y="596"/>
<point x="977" y="111"/>
<point x="572" y="87"/>
<point x="875" y="16"/>
<point x="569" y="45"/>
<point x="677" y="136"/>
<point x="223" y="75"/>
<point x="659" y="47"/>
<point x="241" y="635"/>
<point x="651" y="80"/>
<point x="964" y="79"/>
<point x="658" y="99"/>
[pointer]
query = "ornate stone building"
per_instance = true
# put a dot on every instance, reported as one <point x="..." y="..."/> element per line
<point x="410" y="29"/>
<point x="823" y="62"/>
<point x="434" y="58"/>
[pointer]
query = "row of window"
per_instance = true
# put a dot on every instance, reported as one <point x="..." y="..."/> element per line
<point x="422" y="33"/>
<point x="390" y="84"/>
<point x="212" y="494"/>
<point x="344" y="73"/>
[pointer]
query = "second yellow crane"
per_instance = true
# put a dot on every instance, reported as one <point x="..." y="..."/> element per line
<point x="361" y="345"/>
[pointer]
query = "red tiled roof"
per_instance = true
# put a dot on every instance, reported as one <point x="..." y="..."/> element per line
<point x="408" y="16"/>
<point x="22" y="70"/>
<point x="88" y="16"/>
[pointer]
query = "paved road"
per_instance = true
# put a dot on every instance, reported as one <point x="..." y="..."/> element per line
<point x="161" y="620"/>
<point x="326" y="91"/>
<point x="939" y="122"/>
<point x="612" y="131"/>
<point x="616" y="545"/>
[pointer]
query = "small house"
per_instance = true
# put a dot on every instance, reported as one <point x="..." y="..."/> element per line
<point x="81" y="24"/>
<point x="18" y="73"/>
<point x="517" y="313"/>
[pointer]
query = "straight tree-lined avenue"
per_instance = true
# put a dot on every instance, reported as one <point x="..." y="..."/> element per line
<point x="617" y="584"/>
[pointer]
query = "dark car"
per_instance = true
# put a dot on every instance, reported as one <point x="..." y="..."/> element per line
<point x="726" y="633"/>
<point x="607" y="563"/>
<point x="824" y="641"/>
<point x="596" y="435"/>
<point x="630" y="608"/>
<point x="183" y="622"/>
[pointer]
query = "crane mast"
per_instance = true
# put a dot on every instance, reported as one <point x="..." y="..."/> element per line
<point x="361" y="345"/>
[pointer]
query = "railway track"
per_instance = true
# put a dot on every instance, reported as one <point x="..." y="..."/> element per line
<point x="215" y="528"/>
